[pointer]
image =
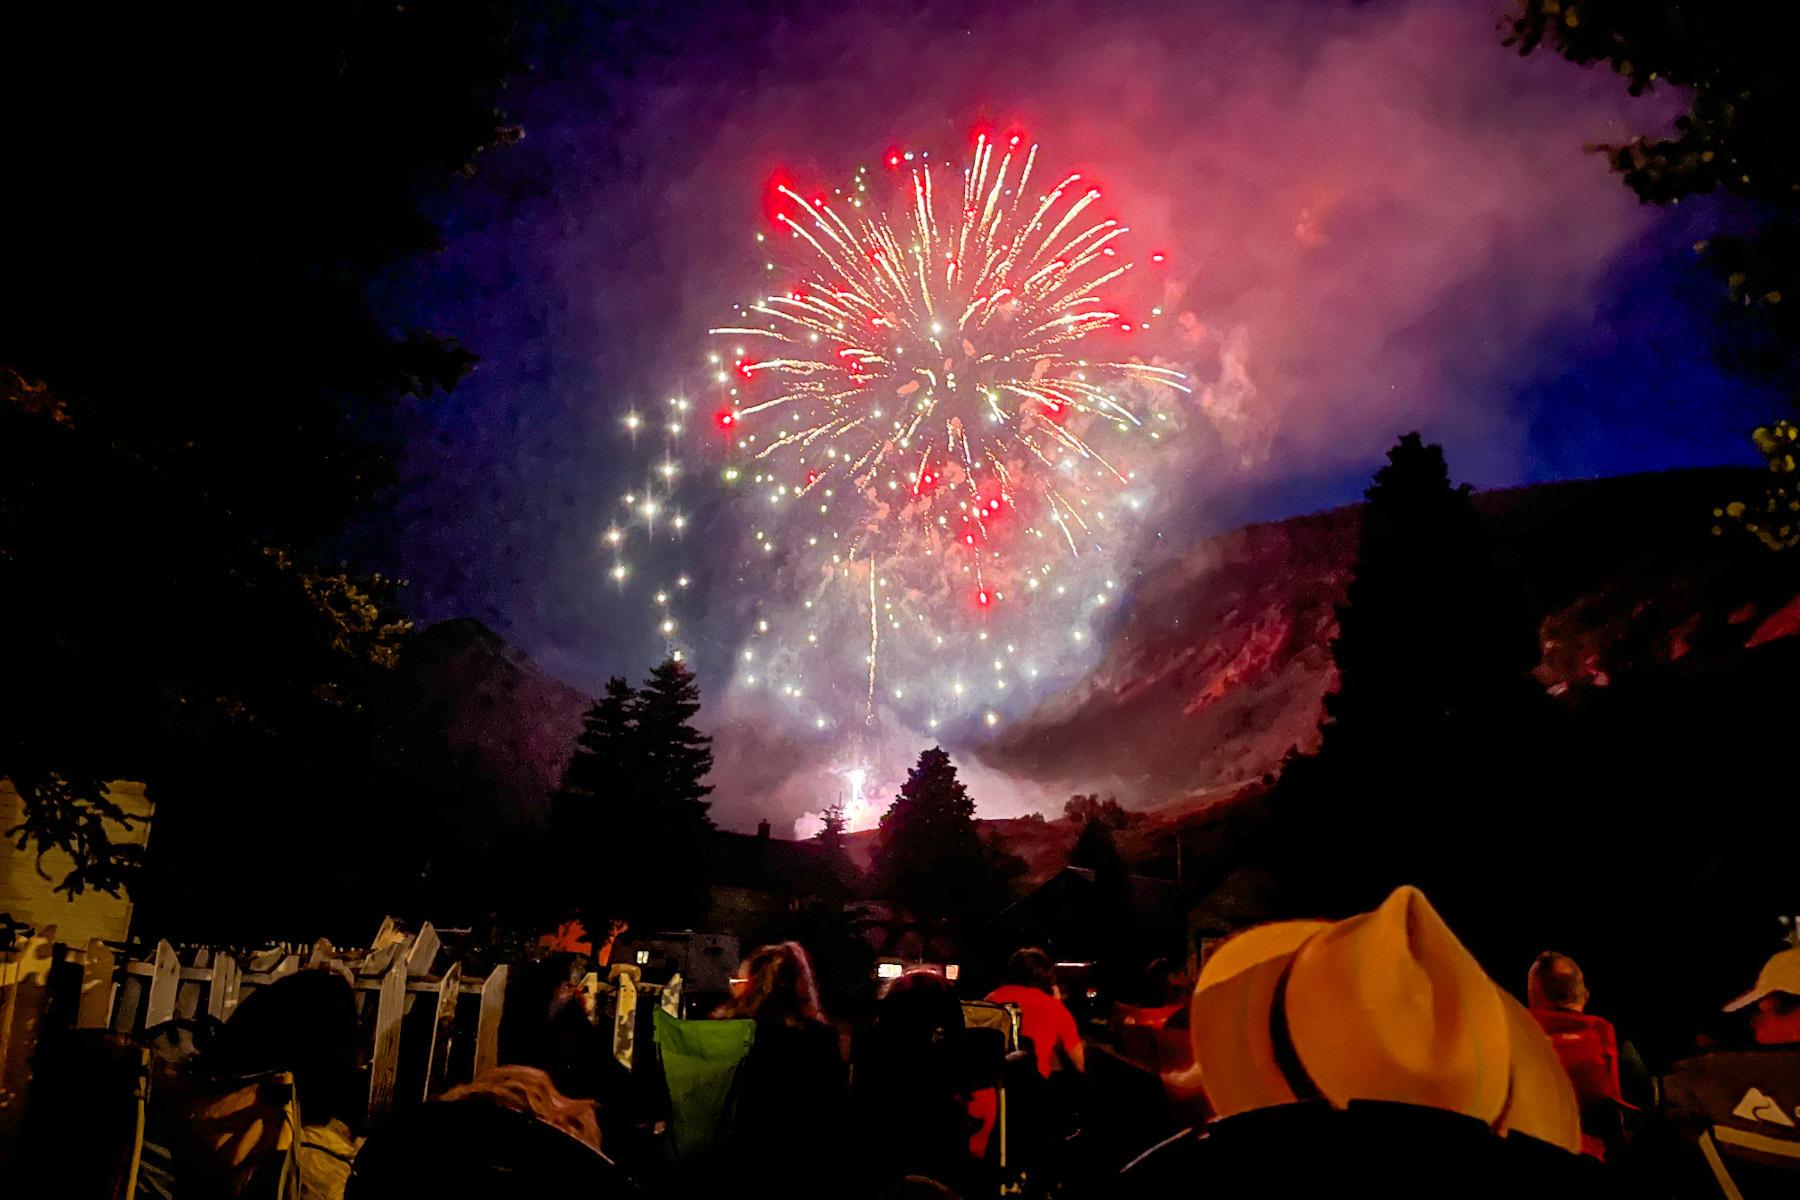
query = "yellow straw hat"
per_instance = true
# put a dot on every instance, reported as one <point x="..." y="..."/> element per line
<point x="1242" y="1073"/>
<point x="1387" y="1005"/>
<point x="1540" y="1100"/>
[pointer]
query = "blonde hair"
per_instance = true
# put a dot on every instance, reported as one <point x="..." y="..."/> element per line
<point x="529" y="1090"/>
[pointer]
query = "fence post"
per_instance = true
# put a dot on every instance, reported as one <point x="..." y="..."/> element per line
<point x="94" y="1009"/>
<point x="164" y="984"/>
<point x="187" y="990"/>
<point x="487" y="1025"/>
<point x="424" y="951"/>
<point x="625" y="1020"/>
<point x="385" y="1062"/>
<point x="221" y="990"/>
<point x="437" y="1055"/>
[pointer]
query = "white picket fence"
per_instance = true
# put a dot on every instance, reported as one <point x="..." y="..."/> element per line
<point x="398" y="972"/>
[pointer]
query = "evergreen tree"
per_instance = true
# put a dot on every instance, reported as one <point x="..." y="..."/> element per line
<point x="669" y="792"/>
<point x="832" y="827"/>
<point x="929" y="854"/>
<point x="676" y="757"/>
<point x="597" y="810"/>
<point x="1433" y="634"/>
<point x="1417" y="777"/>
<point x="839" y="875"/>
<point x="605" y="760"/>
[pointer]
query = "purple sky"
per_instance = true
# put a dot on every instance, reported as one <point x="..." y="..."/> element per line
<point x="1378" y="219"/>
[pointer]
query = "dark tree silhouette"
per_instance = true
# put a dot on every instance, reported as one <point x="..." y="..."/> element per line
<point x="1089" y="808"/>
<point x="929" y="853"/>
<point x="598" y="811"/>
<point x="674" y="757"/>
<point x="1096" y="850"/>
<point x="630" y="820"/>
<point x="193" y="394"/>
<point x="1417" y="777"/>
<point x="1433" y="635"/>
<point x="832" y="827"/>
<point x="1732" y="61"/>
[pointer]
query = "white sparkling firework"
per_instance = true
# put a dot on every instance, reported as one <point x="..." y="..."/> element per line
<point x="939" y="414"/>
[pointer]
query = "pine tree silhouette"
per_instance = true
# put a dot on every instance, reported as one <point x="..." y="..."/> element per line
<point x="1415" y="779"/>
<point x="929" y="854"/>
<point x="675" y="757"/>
<point x="832" y="827"/>
<point x="674" y="760"/>
<point x="599" y="808"/>
<point x="1433" y="635"/>
<point x="630" y="819"/>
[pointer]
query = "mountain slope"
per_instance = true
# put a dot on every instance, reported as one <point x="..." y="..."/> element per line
<point x="1224" y="660"/>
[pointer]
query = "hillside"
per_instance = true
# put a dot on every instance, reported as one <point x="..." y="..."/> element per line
<point x="1224" y="660"/>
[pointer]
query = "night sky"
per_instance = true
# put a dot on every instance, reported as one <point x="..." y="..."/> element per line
<point x="1377" y="217"/>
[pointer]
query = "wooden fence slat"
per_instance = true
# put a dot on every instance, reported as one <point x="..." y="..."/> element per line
<point x="625" y="1022"/>
<point x="322" y="952"/>
<point x="424" y="951"/>
<point x="187" y="998"/>
<point x="487" y="1025"/>
<point x="671" y="996"/>
<point x="437" y="1055"/>
<point x="128" y="1002"/>
<point x="94" y="1008"/>
<point x="231" y="990"/>
<point x="377" y="962"/>
<point x="384" y="1064"/>
<point x="161" y="1003"/>
<point x="219" y="986"/>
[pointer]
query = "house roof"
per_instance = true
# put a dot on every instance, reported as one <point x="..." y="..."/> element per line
<point x="765" y="864"/>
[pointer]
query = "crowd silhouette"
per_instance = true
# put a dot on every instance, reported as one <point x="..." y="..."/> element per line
<point x="1367" y="1054"/>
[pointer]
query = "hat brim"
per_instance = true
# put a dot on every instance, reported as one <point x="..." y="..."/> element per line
<point x="1257" y="944"/>
<point x="1747" y="999"/>
<point x="1540" y="1100"/>
<point x="1234" y="1047"/>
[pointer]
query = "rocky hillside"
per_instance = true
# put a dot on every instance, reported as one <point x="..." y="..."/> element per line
<point x="1224" y="660"/>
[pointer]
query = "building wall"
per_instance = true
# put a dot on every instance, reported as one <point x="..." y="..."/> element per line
<point x="30" y="897"/>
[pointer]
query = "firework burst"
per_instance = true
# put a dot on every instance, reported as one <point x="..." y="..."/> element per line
<point x="942" y="436"/>
<point x="939" y="392"/>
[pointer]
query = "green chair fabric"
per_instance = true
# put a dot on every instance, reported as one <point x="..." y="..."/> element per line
<point x="700" y="1061"/>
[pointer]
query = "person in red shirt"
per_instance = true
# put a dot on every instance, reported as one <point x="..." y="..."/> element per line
<point x="1587" y="1045"/>
<point x="1031" y="984"/>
